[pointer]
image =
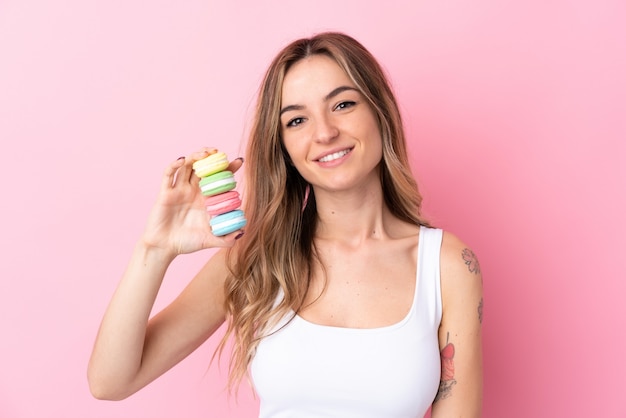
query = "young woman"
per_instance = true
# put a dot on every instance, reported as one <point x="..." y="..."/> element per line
<point x="340" y="298"/>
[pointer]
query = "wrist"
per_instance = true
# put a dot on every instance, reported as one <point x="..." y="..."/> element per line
<point x="151" y="253"/>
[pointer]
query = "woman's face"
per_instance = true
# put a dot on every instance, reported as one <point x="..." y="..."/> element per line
<point x="328" y="127"/>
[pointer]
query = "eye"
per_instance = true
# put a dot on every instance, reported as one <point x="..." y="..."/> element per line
<point x="345" y="105"/>
<point x="294" y="122"/>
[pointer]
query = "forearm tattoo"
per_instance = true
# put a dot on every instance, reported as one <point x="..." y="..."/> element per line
<point x="447" y="370"/>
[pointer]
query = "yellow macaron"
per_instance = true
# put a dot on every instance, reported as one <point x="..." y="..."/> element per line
<point x="212" y="164"/>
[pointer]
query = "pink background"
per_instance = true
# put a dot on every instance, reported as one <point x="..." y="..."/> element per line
<point x="516" y="113"/>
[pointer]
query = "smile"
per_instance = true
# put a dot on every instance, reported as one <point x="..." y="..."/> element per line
<point x="334" y="156"/>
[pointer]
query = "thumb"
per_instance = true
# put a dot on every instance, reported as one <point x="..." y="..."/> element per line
<point x="235" y="164"/>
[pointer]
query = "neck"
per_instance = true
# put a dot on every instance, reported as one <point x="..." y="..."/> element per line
<point x="353" y="216"/>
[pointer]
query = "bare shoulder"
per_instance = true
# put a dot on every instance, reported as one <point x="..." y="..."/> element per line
<point x="461" y="274"/>
<point x="458" y="260"/>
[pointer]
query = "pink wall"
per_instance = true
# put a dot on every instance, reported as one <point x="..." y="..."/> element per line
<point x="516" y="112"/>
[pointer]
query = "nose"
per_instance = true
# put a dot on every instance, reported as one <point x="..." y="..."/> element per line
<point x="325" y="130"/>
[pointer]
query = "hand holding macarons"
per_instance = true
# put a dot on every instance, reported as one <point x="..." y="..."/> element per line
<point x="178" y="222"/>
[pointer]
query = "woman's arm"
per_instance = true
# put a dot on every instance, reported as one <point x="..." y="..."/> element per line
<point x="130" y="350"/>
<point x="460" y="389"/>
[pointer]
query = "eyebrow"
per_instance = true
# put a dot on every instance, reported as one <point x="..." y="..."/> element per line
<point x="329" y="96"/>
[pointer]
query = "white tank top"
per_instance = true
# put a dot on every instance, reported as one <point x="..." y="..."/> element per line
<point x="306" y="370"/>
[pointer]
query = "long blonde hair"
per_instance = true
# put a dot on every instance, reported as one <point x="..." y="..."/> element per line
<point x="277" y="251"/>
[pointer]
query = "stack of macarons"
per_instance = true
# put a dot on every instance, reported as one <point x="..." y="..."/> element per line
<point x="222" y="202"/>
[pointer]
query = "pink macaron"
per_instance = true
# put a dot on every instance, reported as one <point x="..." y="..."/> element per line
<point x="222" y="203"/>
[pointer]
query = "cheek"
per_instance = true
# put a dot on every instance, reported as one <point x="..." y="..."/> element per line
<point x="370" y="128"/>
<point x="294" y="153"/>
<point x="294" y="145"/>
<point x="376" y="140"/>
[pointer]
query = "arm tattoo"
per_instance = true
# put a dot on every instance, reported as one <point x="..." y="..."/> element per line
<point x="471" y="261"/>
<point x="480" y="311"/>
<point x="447" y="371"/>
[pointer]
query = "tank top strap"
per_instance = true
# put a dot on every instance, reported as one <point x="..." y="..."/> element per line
<point x="428" y="286"/>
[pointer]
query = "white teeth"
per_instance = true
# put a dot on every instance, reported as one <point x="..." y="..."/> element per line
<point x="334" y="156"/>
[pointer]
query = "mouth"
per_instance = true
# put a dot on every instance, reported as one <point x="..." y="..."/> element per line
<point x="334" y="156"/>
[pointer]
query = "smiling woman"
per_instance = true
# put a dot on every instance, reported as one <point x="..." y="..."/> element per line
<point x="330" y="131"/>
<point x="340" y="298"/>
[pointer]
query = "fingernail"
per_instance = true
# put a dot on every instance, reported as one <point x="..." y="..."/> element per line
<point x="239" y="235"/>
<point x="240" y="159"/>
<point x="181" y="158"/>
